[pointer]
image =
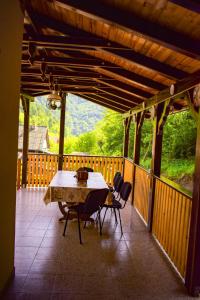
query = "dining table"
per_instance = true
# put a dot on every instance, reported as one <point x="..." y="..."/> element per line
<point x="65" y="189"/>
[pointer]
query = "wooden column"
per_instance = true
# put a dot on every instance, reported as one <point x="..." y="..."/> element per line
<point x="62" y="132"/>
<point x="127" y="123"/>
<point x="139" y="118"/>
<point x="11" y="35"/>
<point x="192" y="281"/>
<point x="26" y="106"/>
<point x="156" y="160"/>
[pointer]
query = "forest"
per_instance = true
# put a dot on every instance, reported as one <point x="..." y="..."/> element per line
<point x="94" y="130"/>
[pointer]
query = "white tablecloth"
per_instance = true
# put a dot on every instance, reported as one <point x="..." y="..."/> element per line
<point x="64" y="187"/>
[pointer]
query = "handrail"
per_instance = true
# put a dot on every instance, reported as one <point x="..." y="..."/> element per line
<point x="80" y="155"/>
<point x="169" y="182"/>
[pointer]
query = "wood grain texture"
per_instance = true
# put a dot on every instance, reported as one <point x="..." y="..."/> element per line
<point x="42" y="167"/>
<point x="141" y="192"/>
<point x="172" y="212"/>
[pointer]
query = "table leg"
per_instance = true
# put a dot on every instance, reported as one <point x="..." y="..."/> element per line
<point x="62" y="206"/>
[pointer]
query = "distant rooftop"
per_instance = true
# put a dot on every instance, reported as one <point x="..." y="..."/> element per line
<point x="38" y="138"/>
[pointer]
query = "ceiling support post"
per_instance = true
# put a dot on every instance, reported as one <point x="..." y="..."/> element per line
<point x="192" y="280"/>
<point x="26" y="107"/>
<point x="62" y="131"/>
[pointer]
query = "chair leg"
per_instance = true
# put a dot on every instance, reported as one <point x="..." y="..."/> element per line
<point x="104" y="217"/>
<point x="120" y="222"/>
<point x="66" y="223"/>
<point x="79" y="228"/>
<point x="115" y="216"/>
<point x="100" y="224"/>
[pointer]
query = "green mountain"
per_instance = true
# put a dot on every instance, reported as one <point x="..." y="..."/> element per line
<point x="81" y="115"/>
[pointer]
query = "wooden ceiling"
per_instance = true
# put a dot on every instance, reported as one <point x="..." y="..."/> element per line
<point x="117" y="53"/>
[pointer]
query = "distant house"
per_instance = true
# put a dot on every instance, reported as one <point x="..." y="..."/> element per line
<point x="38" y="139"/>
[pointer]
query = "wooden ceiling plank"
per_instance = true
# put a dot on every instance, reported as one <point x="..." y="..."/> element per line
<point x="132" y="23"/>
<point x="80" y="37"/>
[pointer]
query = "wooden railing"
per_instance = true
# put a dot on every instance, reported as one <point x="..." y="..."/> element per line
<point x="171" y="215"/>
<point x="141" y="191"/>
<point x="171" y="219"/>
<point x="42" y="167"/>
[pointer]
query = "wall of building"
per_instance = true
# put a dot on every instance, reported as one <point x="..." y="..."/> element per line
<point x="11" y="30"/>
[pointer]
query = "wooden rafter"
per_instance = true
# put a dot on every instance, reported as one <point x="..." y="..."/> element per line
<point x="180" y="87"/>
<point x="129" y="55"/>
<point x="103" y="103"/>
<point x="132" y="23"/>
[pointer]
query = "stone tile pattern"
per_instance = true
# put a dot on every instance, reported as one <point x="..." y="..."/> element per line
<point x="50" y="266"/>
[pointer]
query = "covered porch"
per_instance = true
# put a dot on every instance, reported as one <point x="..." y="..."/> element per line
<point x="135" y="60"/>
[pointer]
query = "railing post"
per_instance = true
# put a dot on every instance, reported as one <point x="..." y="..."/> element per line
<point x="62" y="132"/>
<point x="26" y="107"/>
<point x="158" y="119"/>
<point x="139" y="118"/>
<point x="192" y="280"/>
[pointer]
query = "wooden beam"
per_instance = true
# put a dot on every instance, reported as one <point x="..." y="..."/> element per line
<point x="165" y="70"/>
<point x="188" y="4"/>
<point x="62" y="131"/>
<point x="156" y="161"/>
<point x="132" y="23"/>
<point x="127" y="123"/>
<point x="102" y="103"/>
<point x="180" y="87"/>
<point x="74" y="41"/>
<point x="134" y="78"/>
<point x="139" y="118"/>
<point x="192" y="280"/>
<point x="25" y="143"/>
<point x="61" y="73"/>
<point x="114" y="49"/>
<point x="131" y="90"/>
<point x="66" y="61"/>
<point x="114" y="99"/>
<point x="121" y="95"/>
<point x="109" y="102"/>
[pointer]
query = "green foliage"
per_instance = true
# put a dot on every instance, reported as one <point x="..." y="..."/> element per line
<point x="109" y="134"/>
<point x="179" y="137"/>
<point x="177" y="168"/>
<point x="146" y="144"/>
<point x="131" y="140"/>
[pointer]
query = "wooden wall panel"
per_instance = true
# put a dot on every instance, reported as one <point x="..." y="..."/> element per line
<point x="171" y="221"/>
<point x="141" y="192"/>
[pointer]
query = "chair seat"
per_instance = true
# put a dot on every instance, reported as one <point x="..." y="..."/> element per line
<point x="115" y="204"/>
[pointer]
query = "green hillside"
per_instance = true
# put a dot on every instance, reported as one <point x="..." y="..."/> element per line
<point x="81" y="115"/>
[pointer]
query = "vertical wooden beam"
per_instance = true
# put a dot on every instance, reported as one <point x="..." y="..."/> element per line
<point x="62" y="132"/>
<point x="127" y="123"/>
<point x="192" y="280"/>
<point x="156" y="160"/>
<point x="26" y="107"/>
<point x="139" y="118"/>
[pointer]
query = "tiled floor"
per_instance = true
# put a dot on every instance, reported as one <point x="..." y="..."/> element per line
<point x="50" y="266"/>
